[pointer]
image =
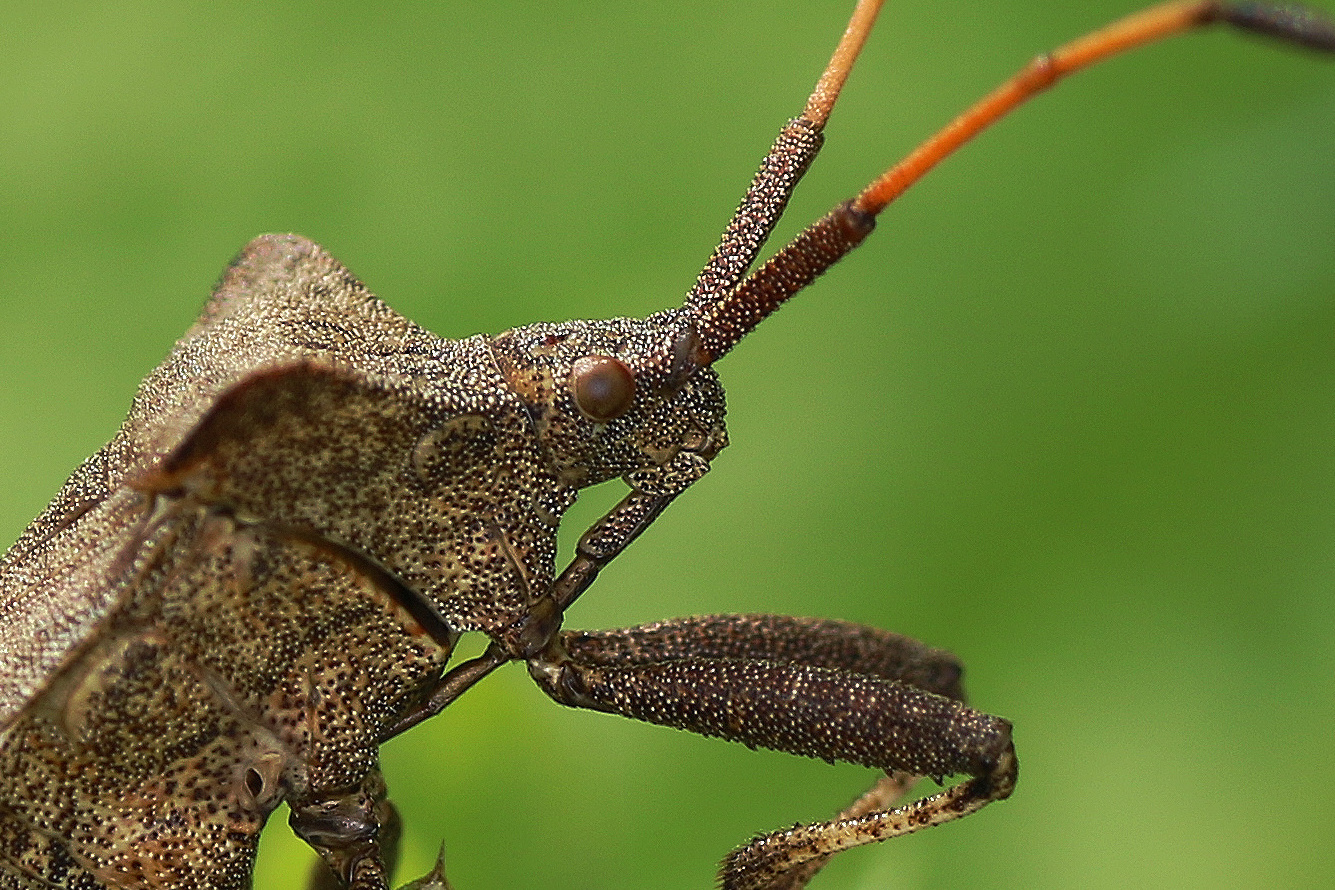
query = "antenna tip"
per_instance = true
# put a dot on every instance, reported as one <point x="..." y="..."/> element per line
<point x="1292" y="23"/>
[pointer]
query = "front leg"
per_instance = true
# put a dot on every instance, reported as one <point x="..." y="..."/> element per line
<point x="822" y="689"/>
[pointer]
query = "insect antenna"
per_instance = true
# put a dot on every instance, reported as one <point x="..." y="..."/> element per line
<point x="727" y="307"/>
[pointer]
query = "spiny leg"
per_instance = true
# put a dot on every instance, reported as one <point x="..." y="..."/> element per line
<point x="815" y="642"/>
<point x="887" y="791"/>
<point x="823" y="689"/>
<point x="839" y="644"/>
<point x="785" y="860"/>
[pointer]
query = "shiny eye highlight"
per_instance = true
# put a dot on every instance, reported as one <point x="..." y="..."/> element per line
<point x="604" y="388"/>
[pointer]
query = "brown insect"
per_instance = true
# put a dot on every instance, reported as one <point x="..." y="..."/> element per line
<point x="262" y="578"/>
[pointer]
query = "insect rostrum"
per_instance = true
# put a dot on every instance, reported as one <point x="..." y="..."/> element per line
<point x="262" y="577"/>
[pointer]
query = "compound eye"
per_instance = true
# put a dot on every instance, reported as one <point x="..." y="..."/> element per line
<point x="603" y="386"/>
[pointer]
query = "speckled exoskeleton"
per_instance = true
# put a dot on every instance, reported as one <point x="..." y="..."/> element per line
<point x="263" y="576"/>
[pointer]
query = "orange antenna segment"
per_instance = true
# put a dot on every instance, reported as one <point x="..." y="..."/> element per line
<point x="725" y="306"/>
<point x="826" y="93"/>
<point x="1143" y="27"/>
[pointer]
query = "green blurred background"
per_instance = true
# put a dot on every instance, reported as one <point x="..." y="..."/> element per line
<point x="1069" y="414"/>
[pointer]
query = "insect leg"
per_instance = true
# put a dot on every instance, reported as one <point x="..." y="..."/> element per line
<point x="881" y="796"/>
<point x="604" y="541"/>
<point x="822" y="689"/>
<point x="356" y="834"/>
<point x="815" y="642"/>
<point x="452" y="685"/>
